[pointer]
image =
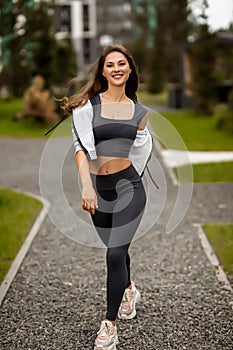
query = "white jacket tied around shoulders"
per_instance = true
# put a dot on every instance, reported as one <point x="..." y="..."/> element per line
<point x="83" y="138"/>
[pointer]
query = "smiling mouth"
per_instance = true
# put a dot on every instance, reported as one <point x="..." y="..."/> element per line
<point x="117" y="76"/>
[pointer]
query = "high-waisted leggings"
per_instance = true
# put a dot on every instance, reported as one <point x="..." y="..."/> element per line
<point x="121" y="202"/>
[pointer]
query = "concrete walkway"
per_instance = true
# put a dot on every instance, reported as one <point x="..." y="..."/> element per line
<point x="173" y="158"/>
<point x="57" y="298"/>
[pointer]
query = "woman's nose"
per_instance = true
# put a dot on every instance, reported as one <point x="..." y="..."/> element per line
<point x="116" y="69"/>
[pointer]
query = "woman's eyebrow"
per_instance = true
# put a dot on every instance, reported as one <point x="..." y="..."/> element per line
<point x="122" y="60"/>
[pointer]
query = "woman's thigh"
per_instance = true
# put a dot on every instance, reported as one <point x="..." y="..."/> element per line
<point x="120" y="208"/>
<point x="127" y="215"/>
<point x="103" y="225"/>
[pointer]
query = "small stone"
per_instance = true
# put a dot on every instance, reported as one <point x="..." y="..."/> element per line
<point x="222" y="206"/>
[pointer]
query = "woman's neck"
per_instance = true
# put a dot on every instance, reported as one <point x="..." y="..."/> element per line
<point x="115" y="94"/>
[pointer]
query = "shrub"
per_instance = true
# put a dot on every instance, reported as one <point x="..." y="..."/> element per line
<point x="225" y="115"/>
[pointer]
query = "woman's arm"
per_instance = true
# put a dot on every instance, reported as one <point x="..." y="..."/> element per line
<point x="141" y="148"/>
<point x="89" y="197"/>
<point x="143" y="122"/>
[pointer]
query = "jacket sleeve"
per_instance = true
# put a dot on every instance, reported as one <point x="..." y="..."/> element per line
<point x="141" y="150"/>
<point x="76" y="141"/>
<point x="82" y="130"/>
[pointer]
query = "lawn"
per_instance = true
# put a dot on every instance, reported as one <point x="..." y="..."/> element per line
<point x="175" y="130"/>
<point x="209" y="172"/>
<point x="213" y="172"/>
<point x="17" y="212"/>
<point x="24" y="128"/>
<point x="184" y="129"/>
<point x="221" y="239"/>
<point x="151" y="99"/>
<point x="198" y="133"/>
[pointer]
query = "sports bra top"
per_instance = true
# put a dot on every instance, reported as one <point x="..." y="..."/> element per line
<point x="114" y="137"/>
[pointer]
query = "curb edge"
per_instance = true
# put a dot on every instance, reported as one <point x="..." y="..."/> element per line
<point x="8" y="279"/>
<point x="213" y="259"/>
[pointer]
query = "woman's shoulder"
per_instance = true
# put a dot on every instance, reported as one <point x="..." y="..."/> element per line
<point x="140" y="107"/>
<point x="94" y="100"/>
<point x="82" y="107"/>
<point x="82" y="118"/>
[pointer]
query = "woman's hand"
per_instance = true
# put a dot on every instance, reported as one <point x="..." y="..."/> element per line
<point x="89" y="199"/>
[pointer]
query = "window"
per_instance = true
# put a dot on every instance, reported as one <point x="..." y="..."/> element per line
<point x="86" y="50"/>
<point x="86" y="27"/>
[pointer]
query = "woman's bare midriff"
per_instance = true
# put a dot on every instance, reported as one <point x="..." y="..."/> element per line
<point x="108" y="165"/>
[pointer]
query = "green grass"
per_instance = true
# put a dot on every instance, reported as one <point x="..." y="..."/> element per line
<point x="152" y="99"/>
<point x="28" y="127"/>
<point x="24" y="128"/>
<point x="221" y="239"/>
<point x="213" y="172"/>
<point x="17" y="214"/>
<point x="208" y="172"/>
<point x="198" y="133"/>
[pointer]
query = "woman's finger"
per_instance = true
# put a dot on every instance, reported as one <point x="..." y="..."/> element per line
<point x="83" y="204"/>
<point x="90" y="205"/>
<point x="92" y="210"/>
<point x="96" y="203"/>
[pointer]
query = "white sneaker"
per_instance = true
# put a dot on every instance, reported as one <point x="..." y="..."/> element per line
<point x="107" y="338"/>
<point x="127" y="309"/>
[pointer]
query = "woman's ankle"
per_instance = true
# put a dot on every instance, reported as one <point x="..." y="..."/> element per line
<point x="113" y="322"/>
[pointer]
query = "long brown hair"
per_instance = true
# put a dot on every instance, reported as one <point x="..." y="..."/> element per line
<point x="99" y="83"/>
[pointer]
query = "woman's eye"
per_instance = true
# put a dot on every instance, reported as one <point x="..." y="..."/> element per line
<point x="120" y="64"/>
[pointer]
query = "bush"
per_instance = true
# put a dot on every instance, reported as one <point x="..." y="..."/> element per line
<point x="225" y="119"/>
<point x="205" y="78"/>
<point x="230" y="99"/>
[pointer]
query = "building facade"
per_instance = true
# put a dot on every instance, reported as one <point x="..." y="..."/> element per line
<point x="92" y="24"/>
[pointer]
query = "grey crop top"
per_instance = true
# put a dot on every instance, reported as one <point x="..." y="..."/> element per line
<point x="114" y="137"/>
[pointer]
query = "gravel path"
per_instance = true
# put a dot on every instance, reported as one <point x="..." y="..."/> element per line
<point x="57" y="299"/>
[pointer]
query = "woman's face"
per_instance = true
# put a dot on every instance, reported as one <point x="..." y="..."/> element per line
<point x="116" y="69"/>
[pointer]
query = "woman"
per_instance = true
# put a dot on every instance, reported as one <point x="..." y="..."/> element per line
<point x="109" y="132"/>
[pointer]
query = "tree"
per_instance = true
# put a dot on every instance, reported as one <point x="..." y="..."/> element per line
<point x="158" y="57"/>
<point x="54" y="60"/>
<point x="15" y="73"/>
<point x="31" y="47"/>
<point x="144" y="34"/>
<point x="172" y="30"/>
<point x="203" y="52"/>
<point x="178" y="29"/>
<point x="41" y="42"/>
<point x="65" y="62"/>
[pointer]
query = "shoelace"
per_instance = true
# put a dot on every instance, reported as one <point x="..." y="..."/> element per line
<point x="126" y="297"/>
<point x="105" y="329"/>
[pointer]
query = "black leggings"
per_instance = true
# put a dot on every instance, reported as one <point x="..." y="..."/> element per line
<point x="121" y="202"/>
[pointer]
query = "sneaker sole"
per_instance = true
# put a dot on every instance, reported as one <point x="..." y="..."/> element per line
<point x="110" y="347"/>
<point x="133" y="314"/>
